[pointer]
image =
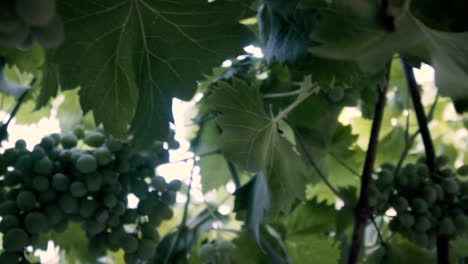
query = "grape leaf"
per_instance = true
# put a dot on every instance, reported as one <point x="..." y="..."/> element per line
<point x="311" y="217"/>
<point x="131" y="58"/>
<point x="361" y="37"/>
<point x="251" y="140"/>
<point x="247" y="251"/>
<point x="401" y="251"/>
<point x="214" y="171"/>
<point x="312" y="248"/>
<point x="69" y="112"/>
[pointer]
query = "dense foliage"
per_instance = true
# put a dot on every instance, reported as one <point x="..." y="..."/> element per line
<point x="324" y="146"/>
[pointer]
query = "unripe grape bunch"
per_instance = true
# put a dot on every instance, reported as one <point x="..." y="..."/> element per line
<point x="426" y="205"/>
<point x="83" y="177"/>
<point x="23" y="22"/>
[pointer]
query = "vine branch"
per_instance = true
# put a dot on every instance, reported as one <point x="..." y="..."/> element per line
<point x="362" y="209"/>
<point x="442" y="240"/>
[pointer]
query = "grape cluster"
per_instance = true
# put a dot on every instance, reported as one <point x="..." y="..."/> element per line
<point x="57" y="183"/>
<point x="216" y="253"/>
<point x="426" y="205"/>
<point x="22" y="22"/>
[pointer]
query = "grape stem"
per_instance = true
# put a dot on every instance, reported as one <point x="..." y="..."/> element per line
<point x="362" y="209"/>
<point x="442" y="240"/>
<point x="314" y="165"/>
<point x="4" y="127"/>
<point x="183" y="223"/>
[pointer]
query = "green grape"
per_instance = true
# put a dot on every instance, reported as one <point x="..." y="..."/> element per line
<point x="114" y="237"/>
<point x="68" y="203"/>
<point x="86" y="163"/>
<point x="406" y="220"/>
<point x="464" y="188"/>
<point x="401" y="179"/>
<point x="159" y="183"/>
<point x="414" y="181"/>
<point x="62" y="226"/>
<point x="110" y="201"/>
<point x="8" y="207"/>
<point x="94" y="182"/>
<point x="47" y="196"/>
<point x="461" y="222"/>
<point x="429" y="194"/>
<point x="10" y="156"/>
<point x="102" y="215"/>
<point x="436" y="211"/>
<point x="47" y="143"/>
<point x="207" y="252"/>
<point x="54" y="215"/>
<point x="130" y="216"/>
<point x="36" y="13"/>
<point x="103" y="156"/>
<point x="119" y="208"/>
<point x="94" y="139"/>
<point x="423" y="171"/>
<point x="79" y="132"/>
<point x="41" y="183"/>
<point x="131" y="258"/>
<point x="410" y="169"/>
<point x="113" y="145"/>
<point x="140" y="188"/>
<point x="24" y="163"/>
<point x="385" y="177"/>
<point x="442" y="161"/>
<point x="451" y="186"/>
<point x="78" y="189"/>
<point x="174" y="185"/>
<point x="13" y="178"/>
<point x="148" y="231"/>
<point x="422" y="224"/>
<point x="419" y="205"/>
<point x="463" y="170"/>
<point x="145" y="207"/>
<point x="146" y="249"/>
<point x="8" y="222"/>
<point x="35" y="223"/>
<point x="129" y="243"/>
<point x="123" y="166"/>
<point x="439" y="191"/>
<point x="109" y="176"/>
<point x="56" y="138"/>
<point x="93" y="227"/>
<point x="446" y="226"/>
<point x="20" y="144"/>
<point x="113" y="221"/>
<point x="38" y="153"/>
<point x="9" y="258"/>
<point x="87" y="207"/>
<point x="26" y="200"/>
<point x="224" y="247"/>
<point x="60" y="182"/>
<point x="445" y="173"/>
<point x="43" y="166"/>
<point x="15" y="240"/>
<point x="168" y="197"/>
<point x="69" y="141"/>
